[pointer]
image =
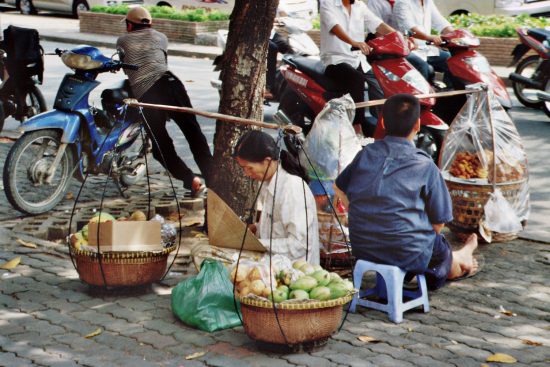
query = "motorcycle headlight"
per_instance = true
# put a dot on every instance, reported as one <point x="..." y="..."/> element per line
<point x="414" y="78"/>
<point x="479" y="64"/>
<point x="465" y="41"/>
<point x="82" y="62"/>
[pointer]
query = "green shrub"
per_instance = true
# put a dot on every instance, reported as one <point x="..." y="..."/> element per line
<point x="166" y="12"/>
<point x="496" y="25"/>
<point x="489" y="25"/>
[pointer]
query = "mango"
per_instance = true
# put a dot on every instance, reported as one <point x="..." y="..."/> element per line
<point x="337" y="290"/>
<point x="298" y="264"/>
<point x="320" y="293"/>
<point x="255" y="274"/>
<point x="105" y="217"/>
<point x="335" y="277"/>
<point x="84" y="232"/>
<point x="317" y="267"/>
<point x="257" y="287"/>
<point x="138" y="216"/>
<point x="348" y="284"/>
<point x="305" y="283"/>
<point x="283" y="288"/>
<point x="307" y="269"/>
<point x="278" y="296"/>
<point x="322" y="277"/>
<point x="298" y="294"/>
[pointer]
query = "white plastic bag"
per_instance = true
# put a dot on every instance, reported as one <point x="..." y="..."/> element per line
<point x="500" y="216"/>
<point x="331" y="143"/>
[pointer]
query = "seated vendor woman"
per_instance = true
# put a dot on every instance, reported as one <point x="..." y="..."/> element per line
<point x="288" y="216"/>
<point x="398" y="202"/>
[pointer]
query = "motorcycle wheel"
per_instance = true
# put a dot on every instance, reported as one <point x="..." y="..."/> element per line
<point x="546" y="104"/>
<point x="297" y="111"/>
<point x="430" y="141"/>
<point x="35" y="103"/>
<point x="25" y="172"/>
<point x="527" y="96"/>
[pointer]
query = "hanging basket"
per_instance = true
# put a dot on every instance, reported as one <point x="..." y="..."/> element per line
<point x="469" y="200"/>
<point x="121" y="269"/>
<point x="301" y="322"/>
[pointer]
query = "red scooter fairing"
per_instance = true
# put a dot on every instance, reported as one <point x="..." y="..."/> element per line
<point x="302" y="83"/>
<point x="533" y="40"/>
<point x="470" y="67"/>
<point x="393" y="44"/>
<point x="397" y="75"/>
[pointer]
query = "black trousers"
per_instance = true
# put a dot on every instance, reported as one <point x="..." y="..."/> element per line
<point x="352" y="80"/>
<point x="169" y="90"/>
<point x="277" y="44"/>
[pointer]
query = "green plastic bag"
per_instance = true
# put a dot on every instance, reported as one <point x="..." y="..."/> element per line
<point x="205" y="301"/>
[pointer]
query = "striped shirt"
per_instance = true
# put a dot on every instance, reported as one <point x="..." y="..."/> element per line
<point x="146" y="48"/>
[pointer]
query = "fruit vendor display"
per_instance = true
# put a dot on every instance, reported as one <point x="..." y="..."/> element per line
<point x="79" y="240"/>
<point x="301" y="282"/>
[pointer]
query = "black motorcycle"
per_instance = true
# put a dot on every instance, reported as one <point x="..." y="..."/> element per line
<point x="21" y="69"/>
<point x="532" y="74"/>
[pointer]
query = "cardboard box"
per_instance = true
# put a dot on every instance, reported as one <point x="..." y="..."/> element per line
<point x="126" y="236"/>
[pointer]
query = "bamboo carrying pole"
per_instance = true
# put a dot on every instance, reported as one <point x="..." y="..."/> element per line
<point x="293" y="129"/>
<point x="216" y="116"/>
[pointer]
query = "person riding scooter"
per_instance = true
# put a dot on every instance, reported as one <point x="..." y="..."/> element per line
<point x="305" y="11"/>
<point x="418" y="17"/>
<point x="343" y="24"/>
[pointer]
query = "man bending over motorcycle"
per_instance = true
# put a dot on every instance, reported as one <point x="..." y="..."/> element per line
<point x="343" y="25"/>
<point x="398" y="202"/>
<point x="152" y="82"/>
<point x="419" y="17"/>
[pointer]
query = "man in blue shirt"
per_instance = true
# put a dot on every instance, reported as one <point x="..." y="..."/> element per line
<point x="398" y="202"/>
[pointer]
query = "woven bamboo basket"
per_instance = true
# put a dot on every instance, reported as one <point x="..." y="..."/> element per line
<point x="468" y="206"/>
<point x="121" y="269"/>
<point x="294" y="323"/>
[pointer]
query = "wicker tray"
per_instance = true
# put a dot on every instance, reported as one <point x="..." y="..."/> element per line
<point x="469" y="200"/>
<point x="121" y="269"/>
<point x="300" y="322"/>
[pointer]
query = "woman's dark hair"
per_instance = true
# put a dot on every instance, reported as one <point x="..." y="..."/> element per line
<point x="255" y="146"/>
<point x="400" y="111"/>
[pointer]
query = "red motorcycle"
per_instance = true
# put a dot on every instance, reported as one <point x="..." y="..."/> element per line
<point x="532" y="74"/>
<point x="467" y="66"/>
<point x="308" y="89"/>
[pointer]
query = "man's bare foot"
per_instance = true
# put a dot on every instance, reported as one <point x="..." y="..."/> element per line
<point x="463" y="259"/>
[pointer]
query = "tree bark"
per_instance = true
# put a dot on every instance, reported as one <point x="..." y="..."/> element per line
<point x="243" y="80"/>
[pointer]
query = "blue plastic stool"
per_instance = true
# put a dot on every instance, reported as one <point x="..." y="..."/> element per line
<point x="389" y="285"/>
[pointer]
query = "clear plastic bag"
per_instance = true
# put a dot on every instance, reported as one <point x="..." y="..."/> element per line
<point x="331" y="143"/>
<point x="483" y="149"/>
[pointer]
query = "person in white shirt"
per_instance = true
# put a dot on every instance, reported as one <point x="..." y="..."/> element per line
<point x="288" y="214"/>
<point x="419" y="17"/>
<point x="383" y="9"/>
<point x="343" y="25"/>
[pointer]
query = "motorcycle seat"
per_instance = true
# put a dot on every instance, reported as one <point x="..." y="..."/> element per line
<point x="116" y="95"/>
<point x="313" y="68"/>
<point x="539" y="33"/>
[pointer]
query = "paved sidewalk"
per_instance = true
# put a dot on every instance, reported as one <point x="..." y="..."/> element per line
<point x="46" y="311"/>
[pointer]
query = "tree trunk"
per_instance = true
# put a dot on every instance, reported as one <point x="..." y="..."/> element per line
<point x="243" y="80"/>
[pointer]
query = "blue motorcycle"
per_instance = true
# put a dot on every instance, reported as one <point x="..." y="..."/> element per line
<point x="76" y="139"/>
